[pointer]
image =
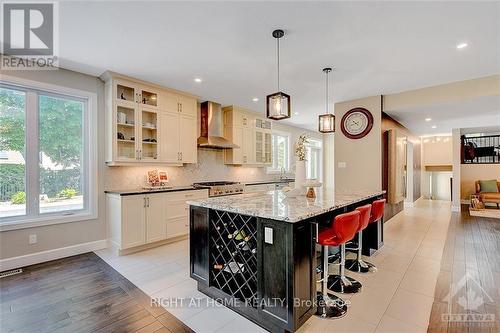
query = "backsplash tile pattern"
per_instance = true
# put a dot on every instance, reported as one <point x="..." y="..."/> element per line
<point x="210" y="167"/>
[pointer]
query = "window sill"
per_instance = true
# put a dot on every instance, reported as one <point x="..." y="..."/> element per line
<point x="23" y="223"/>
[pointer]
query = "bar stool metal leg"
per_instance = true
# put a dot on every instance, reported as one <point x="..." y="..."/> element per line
<point x="329" y="305"/>
<point x="342" y="283"/>
<point x="358" y="265"/>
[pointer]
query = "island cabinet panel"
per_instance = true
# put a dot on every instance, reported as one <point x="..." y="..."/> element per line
<point x="286" y="287"/>
<point x="198" y="244"/>
<point x="273" y="260"/>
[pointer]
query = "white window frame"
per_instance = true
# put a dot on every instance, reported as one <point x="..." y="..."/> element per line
<point x="90" y="157"/>
<point x="273" y="169"/>
<point x="318" y="147"/>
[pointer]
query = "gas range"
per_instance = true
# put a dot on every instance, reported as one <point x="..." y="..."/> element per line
<point x="217" y="189"/>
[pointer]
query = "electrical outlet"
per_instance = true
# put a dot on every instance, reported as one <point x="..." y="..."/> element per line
<point x="342" y="165"/>
<point x="33" y="239"/>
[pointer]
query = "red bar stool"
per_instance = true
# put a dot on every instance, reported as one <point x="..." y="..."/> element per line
<point x="377" y="212"/>
<point x="342" y="230"/>
<point x="359" y="265"/>
<point x="341" y="283"/>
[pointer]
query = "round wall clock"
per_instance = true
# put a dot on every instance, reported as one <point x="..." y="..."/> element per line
<point x="356" y="123"/>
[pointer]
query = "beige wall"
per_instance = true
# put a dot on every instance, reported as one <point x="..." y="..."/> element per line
<point x="445" y="93"/>
<point x="469" y="173"/>
<point x="362" y="157"/>
<point x="437" y="150"/>
<point x="15" y="242"/>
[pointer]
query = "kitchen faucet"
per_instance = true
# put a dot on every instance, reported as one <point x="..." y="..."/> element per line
<point x="282" y="173"/>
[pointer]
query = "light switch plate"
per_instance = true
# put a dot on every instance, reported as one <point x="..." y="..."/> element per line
<point x="342" y="164"/>
<point x="268" y="235"/>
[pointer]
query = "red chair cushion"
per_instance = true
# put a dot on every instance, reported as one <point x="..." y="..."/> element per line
<point x="343" y="229"/>
<point x="377" y="210"/>
<point x="364" y="217"/>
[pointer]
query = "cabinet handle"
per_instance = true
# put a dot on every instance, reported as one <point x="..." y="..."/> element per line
<point x="148" y="201"/>
<point x="181" y="155"/>
<point x="144" y="202"/>
<point x="180" y="107"/>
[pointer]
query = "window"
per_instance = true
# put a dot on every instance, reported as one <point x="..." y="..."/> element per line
<point x="45" y="156"/>
<point x="313" y="159"/>
<point x="281" y="152"/>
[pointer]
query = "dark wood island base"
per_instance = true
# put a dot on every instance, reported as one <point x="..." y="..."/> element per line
<point x="264" y="269"/>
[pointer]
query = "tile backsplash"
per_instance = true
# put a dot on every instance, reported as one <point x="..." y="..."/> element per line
<point x="210" y="167"/>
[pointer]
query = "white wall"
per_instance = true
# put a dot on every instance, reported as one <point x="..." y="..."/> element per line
<point x="455" y="205"/>
<point x="329" y="159"/>
<point x="15" y="242"/>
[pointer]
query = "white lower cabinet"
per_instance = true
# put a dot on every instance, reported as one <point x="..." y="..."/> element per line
<point x="155" y="218"/>
<point x="133" y="222"/>
<point x="140" y="219"/>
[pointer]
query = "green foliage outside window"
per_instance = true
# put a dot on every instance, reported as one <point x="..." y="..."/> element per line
<point x="18" y="198"/>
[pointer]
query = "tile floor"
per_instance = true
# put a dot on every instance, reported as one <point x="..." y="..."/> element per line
<point x="397" y="298"/>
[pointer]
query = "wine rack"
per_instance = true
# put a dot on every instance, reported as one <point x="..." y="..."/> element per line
<point x="233" y="254"/>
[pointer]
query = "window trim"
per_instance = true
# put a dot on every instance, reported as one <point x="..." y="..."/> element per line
<point x="318" y="148"/>
<point x="271" y="169"/>
<point x="90" y="154"/>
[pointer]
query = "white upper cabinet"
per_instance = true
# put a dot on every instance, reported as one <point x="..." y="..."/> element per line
<point x="148" y="124"/>
<point x="251" y="133"/>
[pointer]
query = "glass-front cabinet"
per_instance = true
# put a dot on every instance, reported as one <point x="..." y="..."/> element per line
<point x="263" y="144"/>
<point x="135" y="127"/>
<point x="149" y="134"/>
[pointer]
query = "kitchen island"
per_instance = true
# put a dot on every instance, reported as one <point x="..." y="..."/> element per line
<point x="256" y="252"/>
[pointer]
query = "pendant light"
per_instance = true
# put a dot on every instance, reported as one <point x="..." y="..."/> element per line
<point x="278" y="104"/>
<point x="327" y="120"/>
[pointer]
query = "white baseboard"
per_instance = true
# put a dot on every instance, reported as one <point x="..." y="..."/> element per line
<point x="36" y="258"/>
<point x="455" y="208"/>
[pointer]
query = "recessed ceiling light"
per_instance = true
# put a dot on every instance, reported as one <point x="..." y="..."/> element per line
<point x="433" y="126"/>
<point x="296" y="113"/>
<point x="428" y="119"/>
<point x="255" y="99"/>
<point x="462" y="45"/>
<point x="197" y="80"/>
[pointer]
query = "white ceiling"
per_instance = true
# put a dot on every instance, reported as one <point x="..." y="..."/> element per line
<point x="376" y="47"/>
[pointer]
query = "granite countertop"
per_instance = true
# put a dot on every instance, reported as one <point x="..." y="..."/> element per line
<point x="145" y="191"/>
<point x="275" y="205"/>
<point x="274" y="181"/>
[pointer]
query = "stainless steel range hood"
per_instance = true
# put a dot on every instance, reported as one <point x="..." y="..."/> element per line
<point x="212" y="128"/>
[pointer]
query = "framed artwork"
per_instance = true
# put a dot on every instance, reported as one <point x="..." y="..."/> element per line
<point x="153" y="178"/>
<point x="163" y="175"/>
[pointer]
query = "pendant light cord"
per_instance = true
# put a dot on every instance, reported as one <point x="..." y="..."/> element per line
<point x="326" y="93"/>
<point x="278" y="51"/>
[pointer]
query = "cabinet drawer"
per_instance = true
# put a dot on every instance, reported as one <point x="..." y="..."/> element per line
<point x="177" y="227"/>
<point x="187" y="195"/>
<point x="177" y="209"/>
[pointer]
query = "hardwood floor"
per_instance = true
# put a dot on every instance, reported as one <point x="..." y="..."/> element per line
<point x="79" y="294"/>
<point x="469" y="279"/>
